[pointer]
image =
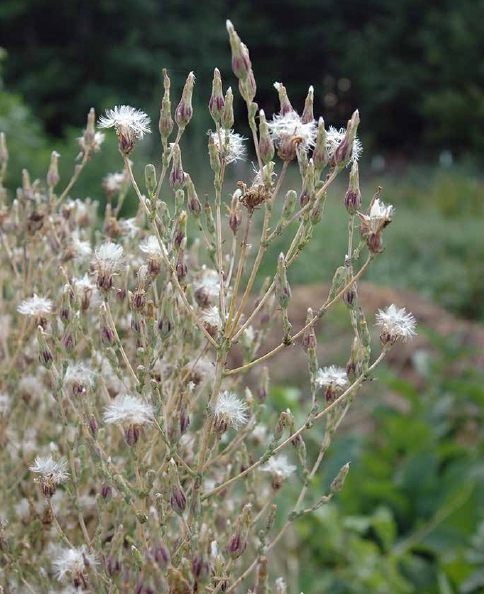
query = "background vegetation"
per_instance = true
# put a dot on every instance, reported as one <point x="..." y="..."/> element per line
<point x="410" y="518"/>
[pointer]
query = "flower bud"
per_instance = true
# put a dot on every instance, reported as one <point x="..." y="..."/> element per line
<point x="309" y="337"/>
<point x="213" y="154"/>
<point x="235" y="216"/>
<point x="178" y="500"/>
<point x="320" y="153"/>
<point x="248" y="87"/>
<point x="228" y="112"/>
<point x="344" y="150"/>
<point x="3" y="150"/>
<point x="285" y="104"/>
<point x="184" y="111"/>
<point x="216" y="103"/>
<point x="352" y="198"/>
<point x="106" y="492"/>
<point x="193" y="203"/>
<point x="338" y="482"/>
<point x="45" y="354"/>
<point x="238" y="541"/>
<point x="53" y="173"/>
<point x="150" y="178"/>
<point x="165" y="124"/>
<point x="308" y="114"/>
<point x="266" y="146"/>
<point x="177" y="175"/>
<point x="240" y="54"/>
<point x="283" y="290"/>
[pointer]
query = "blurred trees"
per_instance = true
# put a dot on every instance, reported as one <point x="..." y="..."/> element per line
<point x="414" y="69"/>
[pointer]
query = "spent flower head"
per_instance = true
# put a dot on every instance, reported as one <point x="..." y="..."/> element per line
<point x="233" y="148"/>
<point x="334" y="139"/>
<point x="128" y="409"/>
<point x="396" y="324"/>
<point x="35" y="306"/>
<point x="129" y="123"/>
<point x="73" y="563"/>
<point x="229" y="412"/>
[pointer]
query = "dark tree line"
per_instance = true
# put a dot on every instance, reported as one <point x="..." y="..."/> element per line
<point x="415" y="69"/>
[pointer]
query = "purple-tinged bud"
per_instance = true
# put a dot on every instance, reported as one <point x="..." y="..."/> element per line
<point x="120" y="294"/>
<point x="308" y="113"/>
<point x="181" y="228"/>
<point x="286" y="106"/>
<point x="235" y="215"/>
<point x="240" y="54"/>
<point x="309" y="337"/>
<point x="131" y="434"/>
<point x="92" y="425"/>
<point x="53" y="176"/>
<point x="113" y="566"/>
<point x="238" y="541"/>
<point x="248" y="87"/>
<point x="266" y="146"/>
<point x="200" y="569"/>
<point x="184" y="111"/>
<point x="138" y="299"/>
<point x="344" y="150"/>
<point x="160" y="556"/>
<point x="178" y="501"/>
<point x="228" y="112"/>
<point x="165" y="326"/>
<point x="177" y="175"/>
<point x="352" y="198"/>
<point x="193" y="203"/>
<point x="106" y="491"/>
<point x="165" y="124"/>
<point x="216" y="103"/>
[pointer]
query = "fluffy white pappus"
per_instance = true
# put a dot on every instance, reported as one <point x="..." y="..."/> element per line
<point x="4" y="404"/>
<point x="334" y="137"/>
<point x="396" y="322"/>
<point x="332" y="377"/>
<point x="81" y="374"/>
<point x="113" y="182"/>
<point x="109" y="257"/>
<point x="73" y="562"/>
<point x="151" y="247"/>
<point x="211" y="316"/>
<point x="128" y="409"/>
<point x="84" y="284"/>
<point x="381" y="211"/>
<point x="209" y="283"/>
<point x="127" y="121"/>
<point x="129" y="227"/>
<point x="82" y="249"/>
<point x="47" y="467"/>
<point x="235" y="149"/>
<point x="230" y="410"/>
<point x="35" y="306"/>
<point x="290" y="125"/>
<point x="279" y="466"/>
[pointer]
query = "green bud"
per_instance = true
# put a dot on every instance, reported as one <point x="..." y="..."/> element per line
<point x="150" y="178"/>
